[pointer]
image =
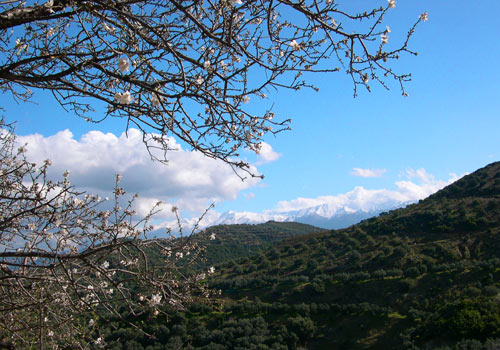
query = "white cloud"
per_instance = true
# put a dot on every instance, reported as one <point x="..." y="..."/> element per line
<point x="364" y="199"/>
<point x="419" y="185"/>
<point x="192" y="181"/>
<point x="428" y="184"/>
<point x="143" y="206"/>
<point x="267" y="154"/>
<point x="367" y="172"/>
<point x="189" y="180"/>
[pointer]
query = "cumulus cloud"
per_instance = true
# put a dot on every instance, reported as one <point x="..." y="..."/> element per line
<point x="189" y="180"/>
<point x="427" y="184"/>
<point x="267" y="154"/>
<point x="419" y="185"/>
<point x="367" y="172"/>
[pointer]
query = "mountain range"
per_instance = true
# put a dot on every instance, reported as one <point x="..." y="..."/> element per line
<point x="327" y="216"/>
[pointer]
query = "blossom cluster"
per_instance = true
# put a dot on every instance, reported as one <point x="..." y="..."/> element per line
<point x="59" y="245"/>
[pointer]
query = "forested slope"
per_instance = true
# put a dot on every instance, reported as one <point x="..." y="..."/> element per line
<point x="423" y="277"/>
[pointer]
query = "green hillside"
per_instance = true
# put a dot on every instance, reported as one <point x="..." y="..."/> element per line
<point x="236" y="241"/>
<point x="423" y="277"/>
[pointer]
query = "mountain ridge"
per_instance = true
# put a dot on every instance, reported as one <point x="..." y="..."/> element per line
<point x="325" y="215"/>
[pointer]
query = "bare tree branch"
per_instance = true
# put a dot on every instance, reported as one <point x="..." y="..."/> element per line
<point x="187" y="68"/>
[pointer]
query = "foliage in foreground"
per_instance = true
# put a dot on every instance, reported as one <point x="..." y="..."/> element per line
<point x="67" y="256"/>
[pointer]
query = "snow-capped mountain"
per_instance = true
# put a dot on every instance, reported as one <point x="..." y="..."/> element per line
<point x="325" y="215"/>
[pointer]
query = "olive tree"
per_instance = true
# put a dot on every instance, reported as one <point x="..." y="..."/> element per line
<point x="188" y="68"/>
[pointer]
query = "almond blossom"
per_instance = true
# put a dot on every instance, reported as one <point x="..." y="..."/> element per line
<point x="155" y="300"/>
<point x="123" y="65"/>
<point x="124" y="98"/>
<point x="295" y="45"/>
<point x="156" y="100"/>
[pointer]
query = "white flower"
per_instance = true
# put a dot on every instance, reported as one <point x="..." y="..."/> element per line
<point x="236" y="2"/>
<point x="105" y="265"/>
<point x="246" y="99"/>
<point x="212" y="236"/>
<point x="50" y="32"/>
<point x="49" y="5"/>
<point x="206" y="65"/>
<point x="384" y="38"/>
<point x="295" y="45"/>
<point x="123" y="65"/>
<point x="91" y="322"/>
<point x="124" y="98"/>
<point x="424" y="16"/>
<point x="50" y="333"/>
<point x="392" y="3"/>
<point x="155" y="100"/>
<point x="20" y="46"/>
<point x="199" y="80"/>
<point x="211" y="269"/>
<point x="155" y="300"/>
<point x="109" y="29"/>
<point x="258" y="148"/>
<point x="387" y="29"/>
<point x="366" y="78"/>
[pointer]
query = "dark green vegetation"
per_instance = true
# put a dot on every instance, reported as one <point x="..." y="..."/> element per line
<point x="423" y="277"/>
<point x="236" y="241"/>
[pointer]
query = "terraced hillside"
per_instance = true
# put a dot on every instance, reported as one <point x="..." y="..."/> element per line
<point x="423" y="277"/>
<point x="236" y="241"/>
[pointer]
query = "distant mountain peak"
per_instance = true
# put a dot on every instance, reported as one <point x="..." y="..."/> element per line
<point x="326" y="215"/>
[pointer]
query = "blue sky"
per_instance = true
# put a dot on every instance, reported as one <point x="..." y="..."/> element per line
<point x="449" y="124"/>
